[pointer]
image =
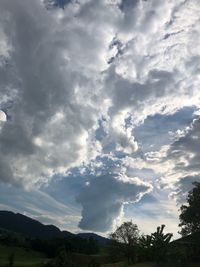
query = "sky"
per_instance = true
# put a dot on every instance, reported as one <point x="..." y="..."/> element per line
<point x="99" y="111"/>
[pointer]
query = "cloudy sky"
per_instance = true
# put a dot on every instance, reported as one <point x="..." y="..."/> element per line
<point x="99" y="110"/>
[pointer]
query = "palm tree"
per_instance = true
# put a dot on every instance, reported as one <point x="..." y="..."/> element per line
<point x="160" y="242"/>
<point x="145" y="245"/>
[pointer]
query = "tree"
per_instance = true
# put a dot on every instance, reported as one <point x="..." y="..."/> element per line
<point x="190" y="213"/>
<point x="154" y="246"/>
<point x="160" y="242"/>
<point x="92" y="246"/>
<point x="126" y="239"/>
<point x="61" y="259"/>
<point x="145" y="245"/>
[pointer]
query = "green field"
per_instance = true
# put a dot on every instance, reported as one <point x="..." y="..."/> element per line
<point x="166" y="265"/>
<point x="22" y="257"/>
<point x="150" y="264"/>
<point x="28" y="258"/>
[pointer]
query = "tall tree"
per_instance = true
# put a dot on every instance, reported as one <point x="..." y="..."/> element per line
<point x="160" y="243"/>
<point x="190" y="213"/>
<point x="126" y="238"/>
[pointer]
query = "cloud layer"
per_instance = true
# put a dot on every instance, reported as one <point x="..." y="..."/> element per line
<point x="79" y="81"/>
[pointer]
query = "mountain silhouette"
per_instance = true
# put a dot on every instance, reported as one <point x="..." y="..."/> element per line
<point x="27" y="226"/>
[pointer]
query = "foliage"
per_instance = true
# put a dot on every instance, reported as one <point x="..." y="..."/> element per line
<point x="177" y="254"/>
<point x="61" y="259"/>
<point x="190" y="213"/>
<point x="145" y="247"/>
<point x="159" y="239"/>
<point x="127" y="233"/>
<point x="146" y="241"/>
<point x="93" y="263"/>
<point x="125" y="240"/>
<point x="155" y="246"/>
<point x="11" y="238"/>
<point x="72" y="244"/>
<point x="115" y="251"/>
<point x="160" y="242"/>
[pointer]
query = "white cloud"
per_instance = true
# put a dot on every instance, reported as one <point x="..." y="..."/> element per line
<point x="40" y="206"/>
<point x="65" y="70"/>
<point x="3" y="117"/>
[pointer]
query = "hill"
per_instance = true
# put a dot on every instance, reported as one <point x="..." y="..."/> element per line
<point x="27" y="226"/>
<point x="101" y="240"/>
<point x="19" y="223"/>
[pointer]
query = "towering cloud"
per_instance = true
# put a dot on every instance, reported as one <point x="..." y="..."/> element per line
<point x="77" y="81"/>
<point x="103" y="198"/>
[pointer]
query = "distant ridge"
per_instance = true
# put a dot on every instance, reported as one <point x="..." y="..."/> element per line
<point x="102" y="240"/>
<point x="19" y="223"/>
<point x="27" y="226"/>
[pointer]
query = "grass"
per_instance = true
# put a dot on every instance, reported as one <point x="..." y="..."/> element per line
<point x="22" y="258"/>
<point x="29" y="258"/>
<point x="151" y="264"/>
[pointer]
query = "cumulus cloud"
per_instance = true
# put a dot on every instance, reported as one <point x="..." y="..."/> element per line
<point x="60" y="82"/>
<point x="77" y="79"/>
<point x="182" y="187"/>
<point x="103" y="198"/>
<point x="49" y="126"/>
<point x="185" y="150"/>
<point x="177" y="163"/>
<point x="183" y="154"/>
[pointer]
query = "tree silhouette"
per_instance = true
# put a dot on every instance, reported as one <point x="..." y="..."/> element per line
<point x="190" y="213"/>
<point x="146" y="241"/>
<point x="126" y="238"/>
<point x="145" y="245"/>
<point x="160" y="243"/>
